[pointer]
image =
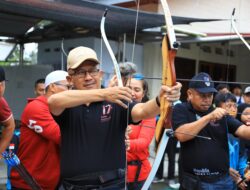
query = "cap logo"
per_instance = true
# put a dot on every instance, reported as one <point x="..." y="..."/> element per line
<point x="207" y="81"/>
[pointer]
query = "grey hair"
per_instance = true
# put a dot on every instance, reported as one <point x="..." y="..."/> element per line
<point x="127" y="68"/>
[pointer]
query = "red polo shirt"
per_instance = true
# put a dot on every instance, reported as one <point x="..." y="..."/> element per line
<point x="39" y="147"/>
<point x="5" y="112"/>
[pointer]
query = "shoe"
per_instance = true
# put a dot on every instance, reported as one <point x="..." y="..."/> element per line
<point x="158" y="180"/>
<point x="173" y="184"/>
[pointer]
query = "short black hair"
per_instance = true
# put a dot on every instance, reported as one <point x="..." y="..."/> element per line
<point x="233" y="86"/>
<point x="221" y="86"/>
<point x="241" y="109"/>
<point x="223" y="97"/>
<point x="42" y="80"/>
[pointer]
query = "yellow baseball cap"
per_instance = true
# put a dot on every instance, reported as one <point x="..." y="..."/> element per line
<point x="80" y="54"/>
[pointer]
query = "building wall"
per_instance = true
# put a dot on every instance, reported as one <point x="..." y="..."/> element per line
<point x="153" y="60"/>
<point x="50" y="53"/>
<point x="148" y="56"/>
<point x="20" y="85"/>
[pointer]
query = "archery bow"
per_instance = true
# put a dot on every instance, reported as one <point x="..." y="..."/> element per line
<point x="115" y="63"/>
<point x="169" y="49"/>
<point x="236" y="31"/>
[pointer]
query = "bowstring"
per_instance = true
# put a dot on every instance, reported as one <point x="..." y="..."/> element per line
<point x="135" y="32"/>
<point x="63" y="53"/>
<point x="101" y="53"/>
<point x="227" y="76"/>
<point x="229" y="48"/>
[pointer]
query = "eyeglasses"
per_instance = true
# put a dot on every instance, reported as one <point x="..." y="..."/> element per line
<point x="231" y="105"/>
<point x="69" y="87"/>
<point x="83" y="73"/>
<point x="246" y="113"/>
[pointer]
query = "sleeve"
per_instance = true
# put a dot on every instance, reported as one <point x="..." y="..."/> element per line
<point x="61" y="119"/>
<point x="233" y="124"/>
<point x="126" y="113"/>
<point x="5" y="112"/>
<point x="38" y="118"/>
<point x="145" y="137"/>
<point x="179" y="116"/>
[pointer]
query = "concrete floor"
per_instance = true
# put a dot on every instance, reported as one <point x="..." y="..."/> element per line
<point x="3" y="175"/>
<point x="161" y="186"/>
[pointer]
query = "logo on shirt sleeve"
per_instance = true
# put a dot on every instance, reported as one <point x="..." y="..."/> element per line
<point x="36" y="128"/>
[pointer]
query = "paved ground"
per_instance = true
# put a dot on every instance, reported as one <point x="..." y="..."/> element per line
<point x="3" y="174"/>
<point x="161" y="186"/>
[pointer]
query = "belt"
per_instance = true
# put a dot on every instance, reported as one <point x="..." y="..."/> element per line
<point x="97" y="178"/>
<point x="118" y="185"/>
<point x="137" y="163"/>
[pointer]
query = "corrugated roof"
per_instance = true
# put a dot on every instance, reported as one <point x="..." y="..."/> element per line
<point x="17" y="16"/>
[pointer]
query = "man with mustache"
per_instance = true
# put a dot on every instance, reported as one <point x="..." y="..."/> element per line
<point x="93" y="122"/>
<point x="204" y="161"/>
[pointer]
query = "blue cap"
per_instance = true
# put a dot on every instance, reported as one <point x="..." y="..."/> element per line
<point x="138" y="76"/>
<point x="2" y="74"/>
<point x="202" y="82"/>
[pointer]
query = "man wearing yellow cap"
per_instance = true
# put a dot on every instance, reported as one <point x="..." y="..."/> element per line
<point x="93" y="123"/>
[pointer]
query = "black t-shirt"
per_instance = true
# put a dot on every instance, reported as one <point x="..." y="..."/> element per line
<point x="93" y="138"/>
<point x="200" y="156"/>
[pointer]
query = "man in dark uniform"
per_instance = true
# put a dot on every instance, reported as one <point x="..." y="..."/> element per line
<point x="93" y="123"/>
<point x="205" y="163"/>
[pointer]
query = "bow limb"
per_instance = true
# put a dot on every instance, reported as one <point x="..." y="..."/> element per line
<point x="169" y="49"/>
<point x="163" y="127"/>
<point x="111" y="53"/>
<point x="236" y="30"/>
<point x="169" y="79"/>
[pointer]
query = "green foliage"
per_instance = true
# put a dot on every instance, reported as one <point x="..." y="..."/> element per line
<point x="13" y="59"/>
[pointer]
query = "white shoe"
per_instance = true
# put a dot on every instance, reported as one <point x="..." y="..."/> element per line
<point x="158" y="180"/>
<point x="173" y="184"/>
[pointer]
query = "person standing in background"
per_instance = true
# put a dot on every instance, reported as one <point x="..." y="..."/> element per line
<point x="222" y="88"/>
<point x="237" y="91"/>
<point x="138" y="165"/>
<point x="6" y="116"/>
<point x="238" y="161"/>
<point x="127" y="69"/>
<point x="246" y="95"/>
<point x="39" y="88"/>
<point x="40" y="138"/>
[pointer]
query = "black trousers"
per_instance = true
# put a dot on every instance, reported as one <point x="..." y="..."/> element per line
<point x="118" y="185"/>
<point x="135" y="185"/>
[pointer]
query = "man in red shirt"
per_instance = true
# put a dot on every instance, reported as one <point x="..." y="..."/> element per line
<point x="6" y="116"/>
<point x="39" y="89"/>
<point x="40" y="138"/>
